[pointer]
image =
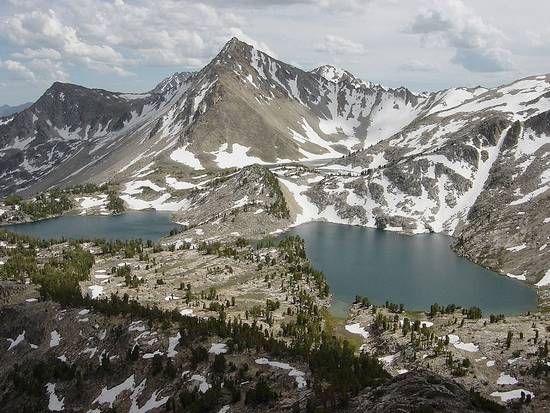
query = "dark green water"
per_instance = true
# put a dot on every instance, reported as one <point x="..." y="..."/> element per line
<point x="147" y="225"/>
<point x="416" y="271"/>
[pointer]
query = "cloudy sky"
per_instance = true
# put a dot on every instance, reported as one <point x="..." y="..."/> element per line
<point x="130" y="45"/>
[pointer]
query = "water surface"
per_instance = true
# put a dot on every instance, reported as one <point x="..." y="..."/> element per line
<point x="416" y="271"/>
<point x="147" y="225"/>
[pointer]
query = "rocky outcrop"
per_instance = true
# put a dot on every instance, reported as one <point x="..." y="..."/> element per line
<point x="421" y="391"/>
<point x="247" y="203"/>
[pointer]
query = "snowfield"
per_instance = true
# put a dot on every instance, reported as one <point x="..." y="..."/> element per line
<point x="182" y="155"/>
<point x="357" y="329"/>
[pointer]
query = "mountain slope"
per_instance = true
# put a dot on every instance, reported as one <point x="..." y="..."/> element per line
<point x="76" y="127"/>
<point x="244" y="107"/>
<point x="477" y="171"/>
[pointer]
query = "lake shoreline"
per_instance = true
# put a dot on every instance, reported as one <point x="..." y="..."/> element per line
<point x="447" y="251"/>
<point x="541" y="303"/>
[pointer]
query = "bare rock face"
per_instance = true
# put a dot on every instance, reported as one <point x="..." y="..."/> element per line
<point x="508" y="228"/>
<point x="421" y="391"/>
<point x="246" y="203"/>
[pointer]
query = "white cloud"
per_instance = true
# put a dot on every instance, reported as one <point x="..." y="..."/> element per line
<point x="36" y="71"/>
<point x="114" y="37"/>
<point x="345" y="6"/>
<point x="477" y="45"/>
<point x="463" y="42"/>
<point x="338" y="45"/>
<point x="42" y="53"/>
<point x="18" y="69"/>
<point x="415" y="65"/>
<point x="38" y="28"/>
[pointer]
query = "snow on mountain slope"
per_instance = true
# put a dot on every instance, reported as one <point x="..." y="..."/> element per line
<point x="520" y="99"/>
<point x="242" y="99"/>
<point x="479" y="175"/>
<point x="331" y="73"/>
<point x="452" y="97"/>
<point x="283" y="113"/>
<point x="73" y="126"/>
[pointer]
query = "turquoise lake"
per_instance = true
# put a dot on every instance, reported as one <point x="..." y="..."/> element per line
<point x="416" y="271"/>
<point x="147" y="225"/>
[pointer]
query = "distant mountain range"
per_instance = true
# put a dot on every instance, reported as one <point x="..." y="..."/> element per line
<point x="471" y="162"/>
<point x="7" y="110"/>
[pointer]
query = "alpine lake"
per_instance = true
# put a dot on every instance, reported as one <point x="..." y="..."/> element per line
<point x="415" y="271"/>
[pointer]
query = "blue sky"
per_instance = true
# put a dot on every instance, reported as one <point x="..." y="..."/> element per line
<point x="130" y="45"/>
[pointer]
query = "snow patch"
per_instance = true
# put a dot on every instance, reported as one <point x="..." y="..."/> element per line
<point x="55" y="338"/>
<point x="544" y="280"/>
<point x="218" y="348"/>
<point x="182" y="155"/>
<point x="357" y="329"/>
<point x="54" y="403"/>
<point x="512" y="394"/>
<point x="172" y="343"/>
<point x="238" y="156"/>
<point x="297" y="374"/>
<point x="15" y="342"/>
<point x="455" y="341"/>
<point x="506" y="379"/>
<point x="517" y="248"/>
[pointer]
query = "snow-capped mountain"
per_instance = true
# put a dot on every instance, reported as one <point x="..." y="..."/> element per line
<point x="470" y="162"/>
<point x="434" y="169"/>
<point x="477" y="169"/>
<point x="244" y="107"/>
<point x="68" y="132"/>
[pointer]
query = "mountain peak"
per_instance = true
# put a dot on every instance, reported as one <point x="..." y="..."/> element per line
<point x="336" y="75"/>
<point x="172" y="82"/>
<point x="332" y="73"/>
<point x="234" y="40"/>
<point x="234" y="45"/>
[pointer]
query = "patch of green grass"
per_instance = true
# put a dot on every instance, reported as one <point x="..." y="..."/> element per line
<point x="335" y="326"/>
